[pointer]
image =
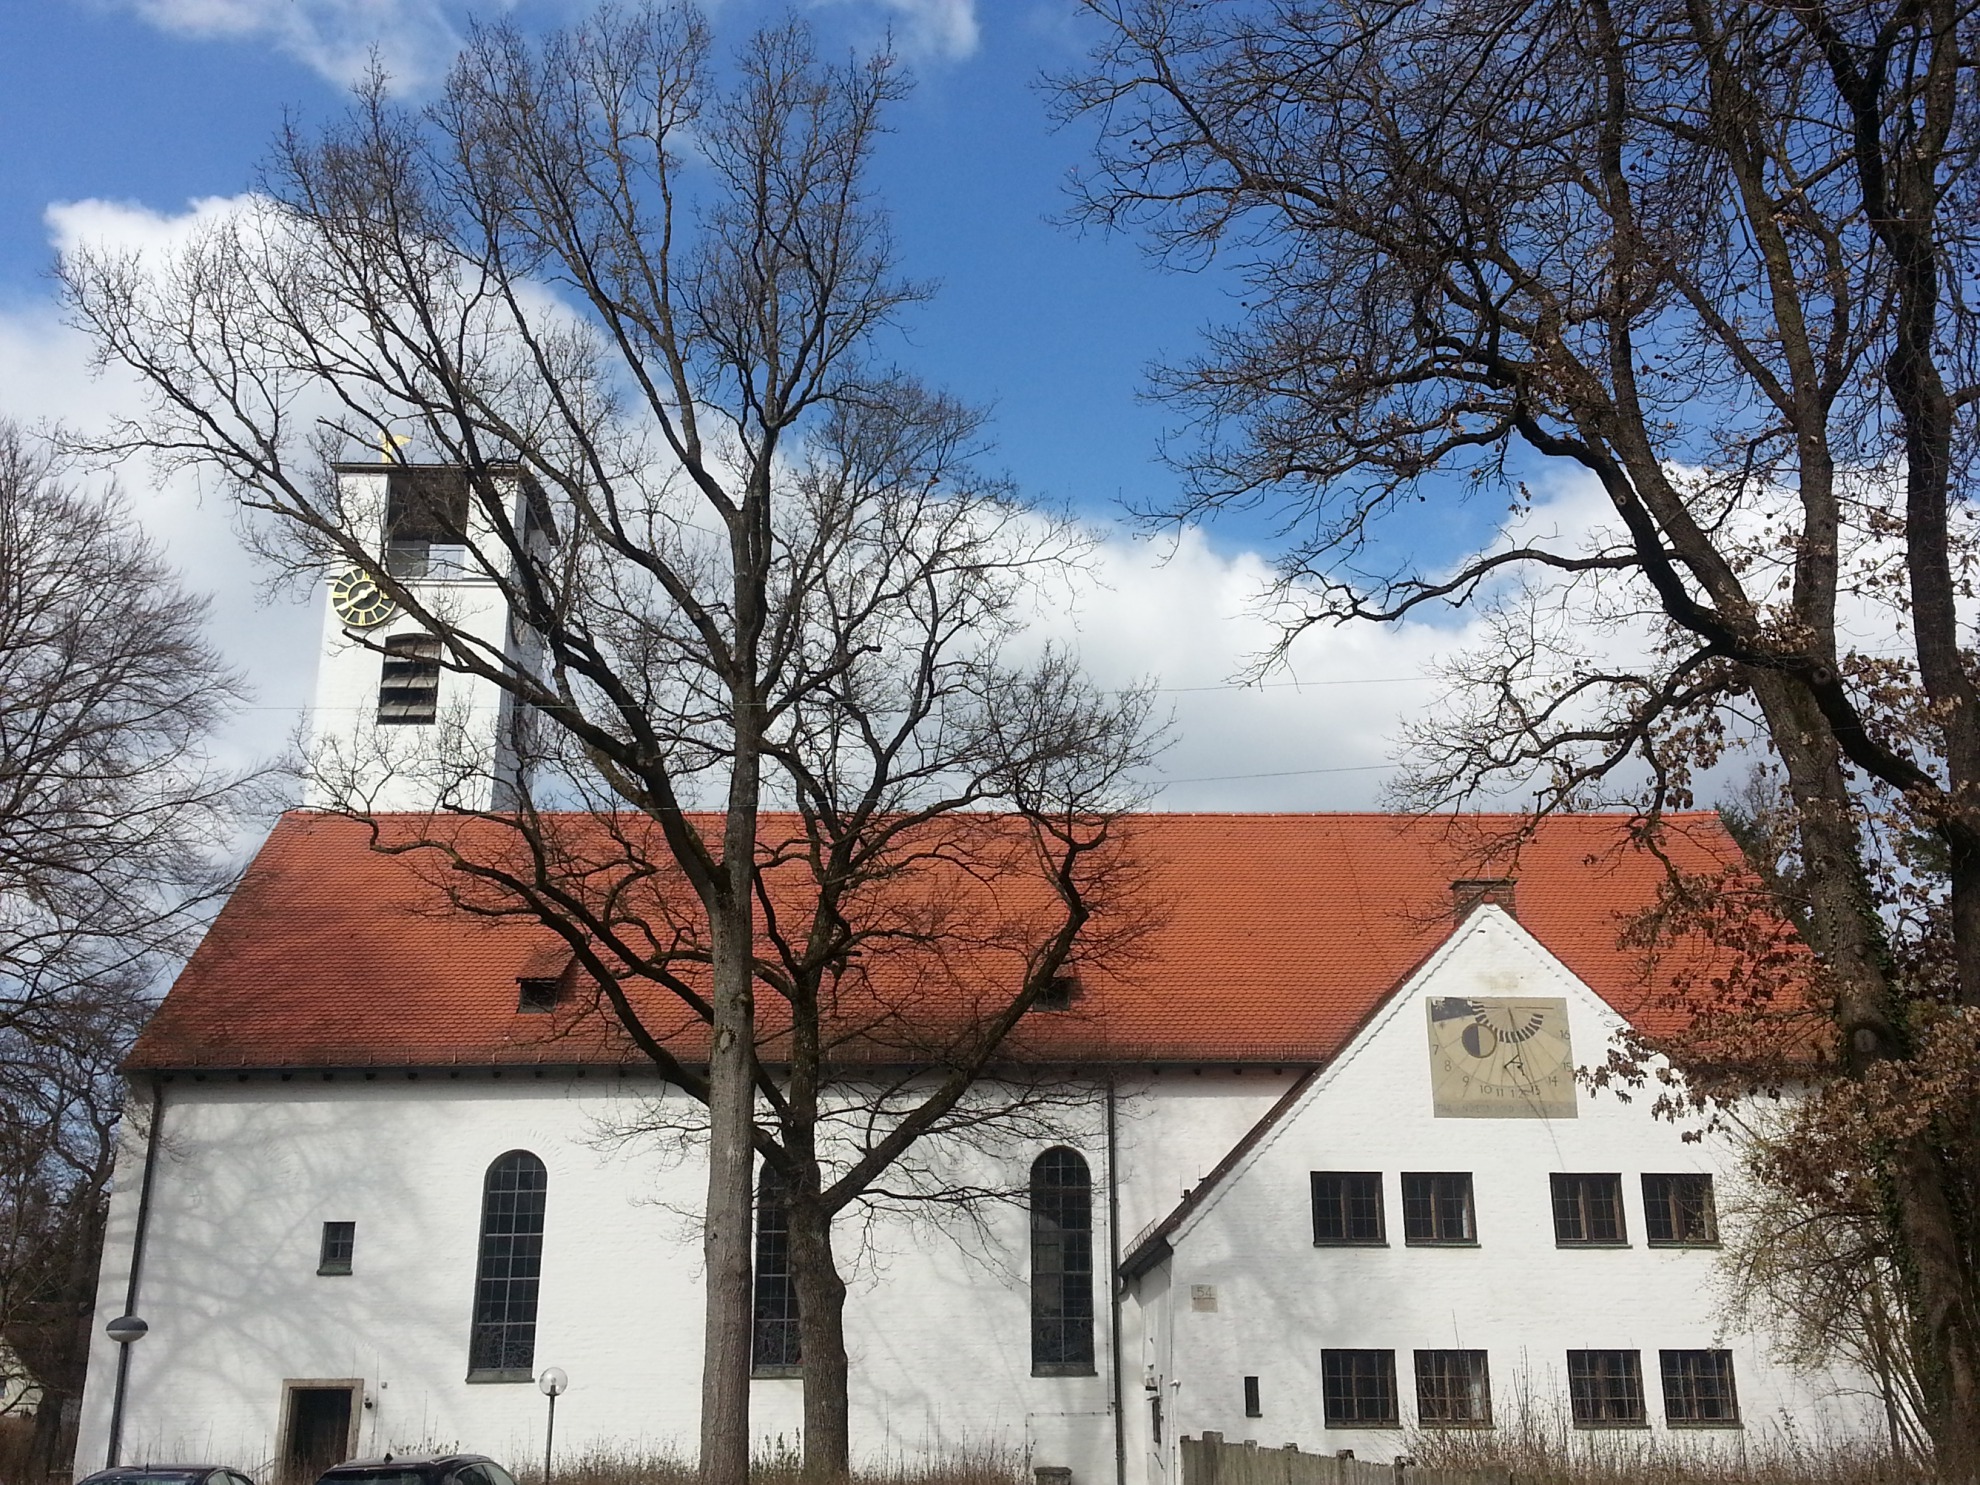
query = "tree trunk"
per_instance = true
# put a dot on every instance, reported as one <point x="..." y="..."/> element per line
<point x="726" y="1228"/>
<point x="821" y="1295"/>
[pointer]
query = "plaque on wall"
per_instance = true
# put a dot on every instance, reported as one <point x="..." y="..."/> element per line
<point x="1500" y="1059"/>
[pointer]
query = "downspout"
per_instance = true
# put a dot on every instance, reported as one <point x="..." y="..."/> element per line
<point x="137" y="1269"/>
<point x="1114" y="1288"/>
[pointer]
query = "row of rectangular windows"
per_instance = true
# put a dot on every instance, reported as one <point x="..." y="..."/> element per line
<point x="1454" y="1389"/>
<point x="1349" y="1210"/>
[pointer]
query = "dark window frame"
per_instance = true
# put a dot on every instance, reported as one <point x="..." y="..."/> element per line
<point x="775" y="1346"/>
<point x="1689" y="1395"/>
<point x="508" y="1277"/>
<point x="1665" y="1210"/>
<point x="1426" y="1207"/>
<point x="1605" y="1389"/>
<point x="1570" y="1192"/>
<point x="336" y="1249"/>
<point x="1337" y="1203"/>
<point x="537" y="995"/>
<point x="1358" y="1389"/>
<point x="424" y="509"/>
<point x="409" y="681"/>
<point x="1442" y="1377"/>
<point x="1062" y="1310"/>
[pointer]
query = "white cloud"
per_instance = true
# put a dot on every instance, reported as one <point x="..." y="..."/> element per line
<point x="1322" y="734"/>
<point x="943" y="30"/>
<point x="46" y="377"/>
<point x="415" y="39"/>
<point x="412" y="38"/>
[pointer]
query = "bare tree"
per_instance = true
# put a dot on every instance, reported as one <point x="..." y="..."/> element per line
<point x="115" y="826"/>
<point x="755" y="569"/>
<point x="1716" y="257"/>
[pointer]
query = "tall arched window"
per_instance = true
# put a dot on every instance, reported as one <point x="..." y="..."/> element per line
<point x="509" y="1270"/>
<point x="1061" y="1265"/>
<point x="773" y="1346"/>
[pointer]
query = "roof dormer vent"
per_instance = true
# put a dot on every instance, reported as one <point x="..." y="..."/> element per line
<point x="1471" y="892"/>
<point x="1059" y="995"/>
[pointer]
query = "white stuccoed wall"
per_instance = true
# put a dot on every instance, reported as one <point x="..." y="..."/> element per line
<point x="938" y="1320"/>
<point x="1280" y="1300"/>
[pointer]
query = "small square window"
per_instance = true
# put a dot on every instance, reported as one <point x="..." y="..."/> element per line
<point x="1437" y="1209"/>
<point x="537" y="995"/>
<point x="1347" y="1208"/>
<point x="409" y="684"/>
<point x="1698" y="1388"/>
<point x="1678" y="1212"/>
<point x="1359" y="1388"/>
<point x="1453" y="1389"/>
<point x="1605" y="1388"/>
<point x="1059" y="995"/>
<point x="1588" y="1212"/>
<point x="339" y="1241"/>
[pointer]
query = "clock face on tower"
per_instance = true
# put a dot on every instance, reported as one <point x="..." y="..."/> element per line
<point x="1501" y="1059"/>
<point x="356" y="600"/>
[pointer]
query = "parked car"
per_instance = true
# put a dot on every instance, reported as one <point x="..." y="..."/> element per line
<point x="415" y="1469"/>
<point x="168" y="1474"/>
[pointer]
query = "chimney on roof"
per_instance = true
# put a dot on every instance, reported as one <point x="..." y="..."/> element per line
<point x="1472" y="892"/>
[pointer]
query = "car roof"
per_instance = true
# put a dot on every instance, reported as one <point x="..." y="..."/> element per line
<point x="118" y="1471"/>
<point x="407" y="1460"/>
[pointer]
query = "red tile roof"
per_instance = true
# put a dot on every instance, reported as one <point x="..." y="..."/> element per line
<point x="1279" y="936"/>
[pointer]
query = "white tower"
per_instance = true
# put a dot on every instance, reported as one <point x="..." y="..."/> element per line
<point x="395" y="728"/>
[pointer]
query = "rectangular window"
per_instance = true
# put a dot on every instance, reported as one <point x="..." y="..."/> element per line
<point x="1253" y="1407"/>
<point x="1347" y="1207"/>
<point x="1698" y="1388"/>
<point x="409" y="686"/>
<point x="1437" y="1209"/>
<point x="1453" y="1389"/>
<point x="1359" y="1388"/>
<point x="1605" y="1388"/>
<point x="1588" y="1211"/>
<point x="339" y="1240"/>
<point x="774" y="1337"/>
<point x="1678" y="1212"/>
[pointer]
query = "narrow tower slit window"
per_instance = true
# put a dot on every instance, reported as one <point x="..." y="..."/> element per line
<point x="773" y="1342"/>
<point x="409" y="684"/>
<point x="509" y="1270"/>
<point x="1061" y="1265"/>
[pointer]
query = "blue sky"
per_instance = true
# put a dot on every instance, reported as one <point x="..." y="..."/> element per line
<point x="143" y="106"/>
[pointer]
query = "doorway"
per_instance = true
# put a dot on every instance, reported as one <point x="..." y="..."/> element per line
<point x="318" y="1426"/>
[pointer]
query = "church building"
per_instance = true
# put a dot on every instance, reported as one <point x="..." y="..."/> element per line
<point x="1322" y="1170"/>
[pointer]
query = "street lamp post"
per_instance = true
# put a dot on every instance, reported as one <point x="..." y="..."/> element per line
<point x="125" y="1330"/>
<point x="552" y="1382"/>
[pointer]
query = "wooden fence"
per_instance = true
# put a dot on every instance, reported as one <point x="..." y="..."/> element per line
<point x="1211" y="1461"/>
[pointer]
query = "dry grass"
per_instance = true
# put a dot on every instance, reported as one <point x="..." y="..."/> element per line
<point x="783" y="1466"/>
<point x="1543" y="1450"/>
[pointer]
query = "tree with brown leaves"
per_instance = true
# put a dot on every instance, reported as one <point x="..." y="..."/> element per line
<point x="1715" y="258"/>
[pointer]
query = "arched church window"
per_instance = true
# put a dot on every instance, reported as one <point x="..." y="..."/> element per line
<point x="509" y="1270"/>
<point x="1061" y="1265"/>
<point x="774" y="1338"/>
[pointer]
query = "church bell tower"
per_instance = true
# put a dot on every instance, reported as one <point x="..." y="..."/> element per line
<point x="395" y="727"/>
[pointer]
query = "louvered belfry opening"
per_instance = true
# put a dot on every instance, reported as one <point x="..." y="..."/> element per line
<point x="409" y="684"/>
